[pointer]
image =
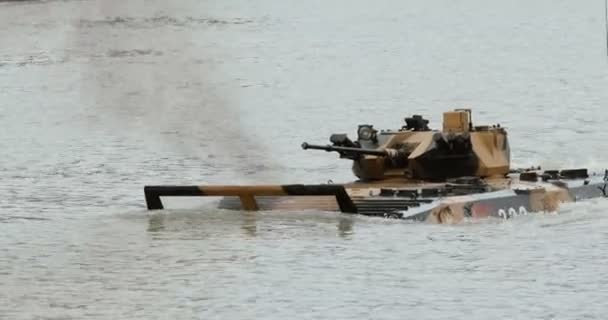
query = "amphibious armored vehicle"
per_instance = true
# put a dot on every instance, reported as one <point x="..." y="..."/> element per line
<point x="416" y="173"/>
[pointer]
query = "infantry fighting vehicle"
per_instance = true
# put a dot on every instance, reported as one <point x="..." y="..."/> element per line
<point x="416" y="173"/>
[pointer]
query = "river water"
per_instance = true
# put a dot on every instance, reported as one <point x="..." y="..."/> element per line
<point x="99" y="98"/>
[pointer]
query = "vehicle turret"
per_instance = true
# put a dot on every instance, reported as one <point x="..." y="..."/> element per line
<point x="417" y="152"/>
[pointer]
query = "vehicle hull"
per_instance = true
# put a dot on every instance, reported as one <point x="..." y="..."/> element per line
<point x="402" y="199"/>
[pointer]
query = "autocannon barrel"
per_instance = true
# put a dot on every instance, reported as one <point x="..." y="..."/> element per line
<point x="361" y="151"/>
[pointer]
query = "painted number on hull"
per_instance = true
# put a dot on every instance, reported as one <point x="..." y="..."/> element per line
<point x="512" y="212"/>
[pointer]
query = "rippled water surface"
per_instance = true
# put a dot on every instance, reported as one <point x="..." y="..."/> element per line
<point x="98" y="98"/>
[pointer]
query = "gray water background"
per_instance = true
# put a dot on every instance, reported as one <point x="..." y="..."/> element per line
<point x="98" y="98"/>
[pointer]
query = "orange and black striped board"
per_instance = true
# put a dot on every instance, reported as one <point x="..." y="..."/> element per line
<point x="248" y="194"/>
